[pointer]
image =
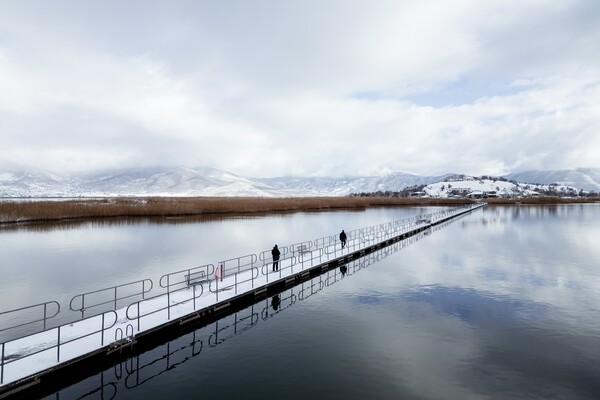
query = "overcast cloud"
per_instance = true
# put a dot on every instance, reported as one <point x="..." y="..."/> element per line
<point x="311" y="88"/>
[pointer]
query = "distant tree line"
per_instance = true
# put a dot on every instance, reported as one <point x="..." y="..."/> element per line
<point x="406" y="192"/>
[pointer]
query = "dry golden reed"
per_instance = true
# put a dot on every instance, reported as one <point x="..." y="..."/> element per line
<point x="11" y="212"/>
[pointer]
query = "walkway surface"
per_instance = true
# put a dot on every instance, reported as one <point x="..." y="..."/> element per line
<point x="188" y="292"/>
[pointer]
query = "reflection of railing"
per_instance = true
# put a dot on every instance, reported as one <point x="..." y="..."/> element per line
<point x="139" y="372"/>
<point x="17" y="311"/>
<point x="221" y="334"/>
<point x="102" y="390"/>
<point x="279" y="302"/>
<point x="303" y="295"/>
<point x="135" y="372"/>
<point x="110" y="291"/>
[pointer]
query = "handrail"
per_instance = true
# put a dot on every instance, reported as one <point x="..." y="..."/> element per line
<point x="9" y="359"/>
<point x="170" y="304"/>
<point x="190" y="276"/>
<point x="44" y="318"/>
<point x="219" y="287"/>
<point x="301" y="247"/>
<point x="266" y="257"/>
<point x="325" y="241"/>
<point x="282" y="266"/>
<point x="239" y="264"/>
<point x="310" y="256"/>
<point x="114" y="299"/>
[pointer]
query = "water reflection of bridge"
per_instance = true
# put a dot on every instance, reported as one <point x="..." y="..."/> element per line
<point x="142" y="368"/>
<point x="193" y="297"/>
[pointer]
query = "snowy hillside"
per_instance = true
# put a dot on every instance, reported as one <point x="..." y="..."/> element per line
<point x="475" y="187"/>
<point x="203" y="181"/>
<point x="345" y="186"/>
<point x="199" y="181"/>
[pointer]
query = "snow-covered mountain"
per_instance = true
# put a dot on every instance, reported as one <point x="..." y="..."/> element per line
<point x="345" y="186"/>
<point x="462" y="186"/>
<point x="204" y="181"/>
<point x="151" y="181"/>
<point x="177" y="181"/>
<point x="583" y="178"/>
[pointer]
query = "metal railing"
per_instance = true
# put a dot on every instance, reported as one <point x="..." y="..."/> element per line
<point x="44" y="308"/>
<point x="110" y="291"/>
<point x="230" y="275"/>
<point x="302" y="247"/>
<point x="232" y="281"/>
<point x="237" y="264"/>
<point x="48" y="343"/>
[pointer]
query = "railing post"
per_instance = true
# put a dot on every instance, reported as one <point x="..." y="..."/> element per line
<point x="102" y="333"/>
<point x="2" y="366"/>
<point x="138" y="315"/>
<point x="58" y="346"/>
<point x="194" y="294"/>
<point x="217" y="290"/>
<point x="168" y="298"/>
<point x="45" y="308"/>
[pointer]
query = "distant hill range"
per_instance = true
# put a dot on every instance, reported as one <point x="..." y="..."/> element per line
<point x="204" y="181"/>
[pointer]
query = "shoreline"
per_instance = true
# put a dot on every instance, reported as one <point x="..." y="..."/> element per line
<point x="18" y="212"/>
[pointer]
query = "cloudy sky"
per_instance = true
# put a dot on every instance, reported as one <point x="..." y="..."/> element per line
<point x="310" y="88"/>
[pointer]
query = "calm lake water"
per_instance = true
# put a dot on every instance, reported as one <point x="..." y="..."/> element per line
<point x="502" y="303"/>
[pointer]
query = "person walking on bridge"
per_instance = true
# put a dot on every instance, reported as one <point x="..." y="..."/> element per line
<point x="343" y="238"/>
<point x="275" y="254"/>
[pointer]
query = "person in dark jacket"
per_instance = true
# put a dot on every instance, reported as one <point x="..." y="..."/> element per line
<point x="275" y="253"/>
<point x="343" y="238"/>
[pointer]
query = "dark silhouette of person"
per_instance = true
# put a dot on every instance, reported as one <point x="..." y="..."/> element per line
<point x="343" y="238"/>
<point x="275" y="253"/>
<point x="343" y="269"/>
<point x="275" y="302"/>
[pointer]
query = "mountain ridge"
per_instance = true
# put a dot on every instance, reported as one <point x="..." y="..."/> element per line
<point x="213" y="182"/>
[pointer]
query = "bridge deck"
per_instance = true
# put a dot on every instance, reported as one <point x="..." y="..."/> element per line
<point x="29" y="360"/>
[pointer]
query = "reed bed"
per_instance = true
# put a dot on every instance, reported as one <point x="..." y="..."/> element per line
<point x="14" y="212"/>
<point x="125" y="207"/>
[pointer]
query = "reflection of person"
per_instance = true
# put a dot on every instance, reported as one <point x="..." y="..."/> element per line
<point x="275" y="302"/>
<point x="275" y="253"/>
<point x="343" y="269"/>
<point x="343" y="238"/>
